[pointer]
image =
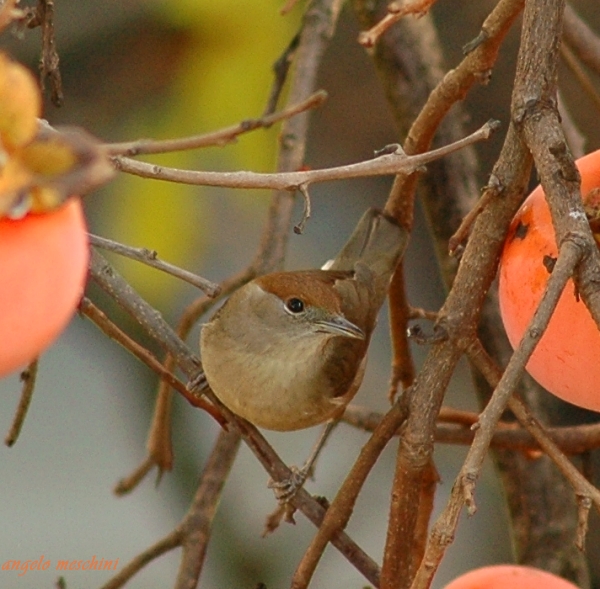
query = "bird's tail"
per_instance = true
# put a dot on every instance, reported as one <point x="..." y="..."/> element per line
<point x="378" y="242"/>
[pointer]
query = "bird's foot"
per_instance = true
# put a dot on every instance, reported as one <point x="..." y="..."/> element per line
<point x="198" y="383"/>
<point x="286" y="490"/>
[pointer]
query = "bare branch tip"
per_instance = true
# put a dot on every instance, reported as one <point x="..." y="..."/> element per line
<point x="319" y="97"/>
<point x="491" y="127"/>
<point x="366" y="39"/>
<point x="299" y="227"/>
<point x="28" y="378"/>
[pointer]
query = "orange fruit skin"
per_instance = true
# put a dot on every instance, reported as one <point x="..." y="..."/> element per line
<point x="43" y="267"/>
<point x="508" y="576"/>
<point x="566" y="361"/>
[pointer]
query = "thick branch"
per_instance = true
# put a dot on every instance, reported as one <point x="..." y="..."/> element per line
<point x="535" y="112"/>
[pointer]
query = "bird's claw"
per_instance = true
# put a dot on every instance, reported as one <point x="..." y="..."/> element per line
<point x="198" y="383"/>
<point x="286" y="490"/>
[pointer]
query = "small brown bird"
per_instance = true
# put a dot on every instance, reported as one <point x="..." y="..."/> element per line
<point x="288" y="349"/>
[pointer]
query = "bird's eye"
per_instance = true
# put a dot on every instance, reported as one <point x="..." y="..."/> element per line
<point x="294" y="305"/>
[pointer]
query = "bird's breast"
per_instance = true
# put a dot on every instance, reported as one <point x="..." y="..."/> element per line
<point x="284" y="387"/>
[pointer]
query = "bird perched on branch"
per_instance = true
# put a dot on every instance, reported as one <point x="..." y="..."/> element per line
<point x="288" y="350"/>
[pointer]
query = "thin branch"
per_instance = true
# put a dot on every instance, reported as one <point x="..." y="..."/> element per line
<point x="403" y="366"/>
<point x="576" y="140"/>
<point x="150" y="258"/>
<point x="585" y="492"/>
<point x="112" y="331"/>
<point x="462" y="233"/>
<point x="420" y="313"/>
<point x="340" y="509"/>
<point x="197" y="524"/>
<point x="216" y="138"/>
<point x="395" y="11"/>
<point x="454" y="427"/>
<point x="299" y="227"/>
<point x="128" y="483"/>
<point x="28" y="377"/>
<point x="581" y="39"/>
<point x="43" y="16"/>
<point x="581" y="75"/>
<point x="149" y="318"/>
<point x="164" y="545"/>
<point x="281" y="68"/>
<point x="388" y="164"/>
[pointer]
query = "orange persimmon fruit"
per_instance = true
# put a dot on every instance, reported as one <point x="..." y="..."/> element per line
<point x="509" y="576"/>
<point x="43" y="267"/>
<point x="566" y="360"/>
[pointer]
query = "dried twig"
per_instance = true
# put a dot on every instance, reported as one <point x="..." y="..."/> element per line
<point x="387" y="164"/>
<point x="462" y="233"/>
<point x="216" y="138"/>
<point x="403" y="367"/>
<point x="574" y="136"/>
<point x="130" y="482"/>
<point x="193" y="531"/>
<point x="197" y="524"/>
<point x="281" y="68"/>
<point x="43" y="16"/>
<point x="585" y="492"/>
<point x="299" y="227"/>
<point x="340" y="509"/>
<point x="395" y="11"/>
<point x="149" y="318"/>
<point x="28" y="377"/>
<point x="581" y="39"/>
<point x="150" y="258"/>
<point x="581" y="75"/>
<point x="114" y="332"/>
<point x="454" y="427"/>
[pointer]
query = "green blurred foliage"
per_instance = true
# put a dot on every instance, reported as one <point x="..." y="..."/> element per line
<point x="217" y="81"/>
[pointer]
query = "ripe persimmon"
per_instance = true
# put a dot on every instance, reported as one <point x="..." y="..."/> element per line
<point x="43" y="266"/>
<point x="509" y="576"/>
<point x="565" y="361"/>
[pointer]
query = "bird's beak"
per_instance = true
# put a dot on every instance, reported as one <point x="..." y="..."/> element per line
<point x="338" y="325"/>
